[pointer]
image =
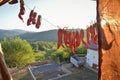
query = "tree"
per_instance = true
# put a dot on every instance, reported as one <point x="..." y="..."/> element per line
<point x="81" y="50"/>
<point x="35" y="47"/>
<point x="17" y="52"/>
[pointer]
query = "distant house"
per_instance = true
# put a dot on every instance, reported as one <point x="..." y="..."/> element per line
<point x="92" y="55"/>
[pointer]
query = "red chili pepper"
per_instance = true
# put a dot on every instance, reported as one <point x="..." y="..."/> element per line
<point x="38" y="21"/>
<point x="92" y="31"/>
<point x="88" y="34"/>
<point x="68" y="38"/>
<point x="96" y="36"/>
<point x="76" y="39"/>
<point x="79" y="37"/>
<point x="71" y="42"/>
<point x="19" y="15"/>
<point x="65" y="37"/>
<point x="81" y="34"/>
<point x="31" y="14"/>
<point x="60" y="36"/>
<point x="22" y="10"/>
<point x="82" y="37"/>
<point x="34" y="18"/>
<point x="29" y="21"/>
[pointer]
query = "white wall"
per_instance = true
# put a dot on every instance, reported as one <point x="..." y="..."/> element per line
<point x="92" y="57"/>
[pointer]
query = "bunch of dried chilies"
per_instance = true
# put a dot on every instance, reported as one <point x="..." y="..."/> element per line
<point x="32" y="19"/>
<point x="32" y="16"/>
<point x="72" y="38"/>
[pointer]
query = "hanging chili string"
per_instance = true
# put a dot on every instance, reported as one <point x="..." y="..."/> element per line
<point x="46" y="20"/>
<point x="72" y="38"/>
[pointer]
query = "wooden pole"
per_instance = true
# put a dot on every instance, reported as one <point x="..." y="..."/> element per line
<point x="99" y="42"/>
<point x="2" y="2"/>
<point x="108" y="22"/>
<point x="3" y="67"/>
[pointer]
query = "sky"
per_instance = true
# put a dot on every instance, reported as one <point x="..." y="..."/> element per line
<point x="63" y="13"/>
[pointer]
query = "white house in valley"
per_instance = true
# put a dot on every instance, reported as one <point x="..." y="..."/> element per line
<point x="92" y="55"/>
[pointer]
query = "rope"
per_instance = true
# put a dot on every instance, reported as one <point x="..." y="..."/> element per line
<point x="50" y="23"/>
<point x="27" y="6"/>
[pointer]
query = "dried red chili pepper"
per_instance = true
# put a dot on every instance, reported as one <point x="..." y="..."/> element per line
<point x="82" y="38"/>
<point x="60" y="36"/>
<point x="92" y="32"/>
<point x="88" y="34"/>
<point x="78" y="38"/>
<point x="31" y="14"/>
<point x="81" y="34"/>
<point x="96" y="35"/>
<point x="29" y="21"/>
<point x="74" y="40"/>
<point x="34" y="18"/>
<point x="38" y="21"/>
<point x="64" y="38"/>
<point x="71" y="42"/>
<point x="67" y="40"/>
<point x="22" y="10"/>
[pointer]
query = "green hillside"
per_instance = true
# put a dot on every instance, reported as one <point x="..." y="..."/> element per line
<point x="10" y="33"/>
<point x="50" y="35"/>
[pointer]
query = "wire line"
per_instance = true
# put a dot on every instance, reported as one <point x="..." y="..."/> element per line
<point x="50" y="22"/>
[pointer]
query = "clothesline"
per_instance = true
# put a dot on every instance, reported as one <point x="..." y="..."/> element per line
<point x="56" y="26"/>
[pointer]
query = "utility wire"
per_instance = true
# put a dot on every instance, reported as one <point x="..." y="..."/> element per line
<point x="50" y="23"/>
<point x="27" y="6"/>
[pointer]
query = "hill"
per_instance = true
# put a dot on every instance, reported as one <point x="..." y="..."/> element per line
<point x="10" y="33"/>
<point x="50" y="35"/>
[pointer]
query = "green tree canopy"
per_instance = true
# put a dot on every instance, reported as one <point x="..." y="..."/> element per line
<point x="17" y="52"/>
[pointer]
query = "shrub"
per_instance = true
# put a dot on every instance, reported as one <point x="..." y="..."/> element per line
<point x="17" y="52"/>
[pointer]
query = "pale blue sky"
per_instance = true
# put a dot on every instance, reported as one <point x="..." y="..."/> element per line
<point x="72" y="13"/>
